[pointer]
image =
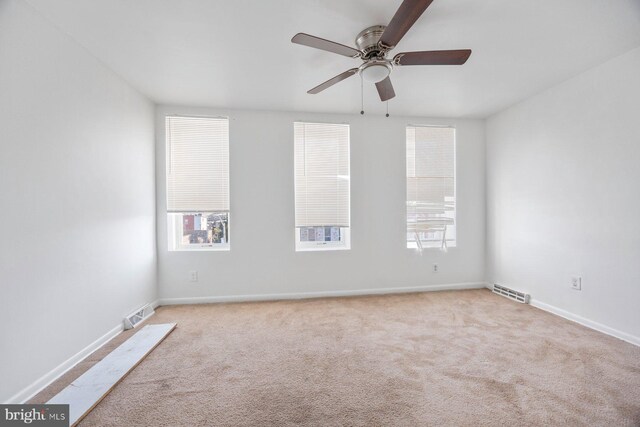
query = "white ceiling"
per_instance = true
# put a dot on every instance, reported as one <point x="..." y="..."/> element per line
<point x="238" y="54"/>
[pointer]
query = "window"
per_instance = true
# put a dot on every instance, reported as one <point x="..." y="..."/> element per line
<point x="431" y="198"/>
<point x="322" y="185"/>
<point x="197" y="183"/>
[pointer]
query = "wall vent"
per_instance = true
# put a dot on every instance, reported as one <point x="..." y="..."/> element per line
<point x="135" y="318"/>
<point x="511" y="294"/>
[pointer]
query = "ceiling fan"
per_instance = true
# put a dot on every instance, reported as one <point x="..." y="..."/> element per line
<point x="374" y="43"/>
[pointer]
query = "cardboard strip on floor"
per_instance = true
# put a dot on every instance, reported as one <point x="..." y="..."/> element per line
<point x="90" y="388"/>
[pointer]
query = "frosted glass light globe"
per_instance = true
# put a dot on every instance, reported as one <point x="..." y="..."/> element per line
<point x="375" y="73"/>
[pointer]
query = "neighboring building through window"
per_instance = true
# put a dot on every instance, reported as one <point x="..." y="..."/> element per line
<point x="431" y="195"/>
<point x="322" y="186"/>
<point x="197" y="183"/>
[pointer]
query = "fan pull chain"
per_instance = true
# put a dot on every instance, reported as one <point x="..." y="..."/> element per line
<point x="361" y="95"/>
<point x="387" y="109"/>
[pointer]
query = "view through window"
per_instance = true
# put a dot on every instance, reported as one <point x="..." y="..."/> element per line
<point x="431" y="198"/>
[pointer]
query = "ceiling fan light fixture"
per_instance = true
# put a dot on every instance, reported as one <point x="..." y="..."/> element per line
<point x="375" y="72"/>
<point x="374" y="44"/>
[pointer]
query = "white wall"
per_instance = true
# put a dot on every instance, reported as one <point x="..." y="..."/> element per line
<point x="563" y="184"/>
<point x="262" y="261"/>
<point x="77" y="249"/>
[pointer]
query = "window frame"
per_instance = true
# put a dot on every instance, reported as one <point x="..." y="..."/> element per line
<point x="174" y="219"/>
<point x="345" y="232"/>
<point x="448" y="243"/>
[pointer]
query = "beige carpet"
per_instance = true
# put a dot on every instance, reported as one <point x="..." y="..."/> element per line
<point x="464" y="358"/>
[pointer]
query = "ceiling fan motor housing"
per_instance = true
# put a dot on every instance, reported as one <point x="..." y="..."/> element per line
<point x="367" y="42"/>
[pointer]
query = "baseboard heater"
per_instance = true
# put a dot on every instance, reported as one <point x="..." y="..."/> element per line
<point x="511" y="294"/>
<point x="135" y="318"/>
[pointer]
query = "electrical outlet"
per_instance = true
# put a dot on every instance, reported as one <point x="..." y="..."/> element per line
<point x="576" y="283"/>
<point x="435" y="268"/>
<point x="193" y="276"/>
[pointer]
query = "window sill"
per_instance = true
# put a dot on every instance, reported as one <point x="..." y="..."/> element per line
<point x="225" y="248"/>
<point x="322" y="248"/>
<point x="414" y="247"/>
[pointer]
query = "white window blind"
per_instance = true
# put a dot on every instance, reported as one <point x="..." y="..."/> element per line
<point x="197" y="164"/>
<point x="321" y="174"/>
<point x="430" y="179"/>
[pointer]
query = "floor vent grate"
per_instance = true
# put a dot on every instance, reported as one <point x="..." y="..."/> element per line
<point x="511" y="294"/>
<point x="135" y="318"/>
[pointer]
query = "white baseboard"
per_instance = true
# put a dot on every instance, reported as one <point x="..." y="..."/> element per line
<point x="40" y="384"/>
<point x="36" y="387"/>
<point x="581" y="320"/>
<point x="318" y="294"/>
<point x="586" y="322"/>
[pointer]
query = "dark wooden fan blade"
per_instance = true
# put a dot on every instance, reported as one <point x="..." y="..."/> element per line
<point x="385" y="89"/>
<point x="331" y="82"/>
<point x="433" y="57"/>
<point x="329" y="46"/>
<point x="406" y="15"/>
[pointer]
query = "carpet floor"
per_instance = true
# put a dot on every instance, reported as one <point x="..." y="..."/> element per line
<point x="458" y="358"/>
